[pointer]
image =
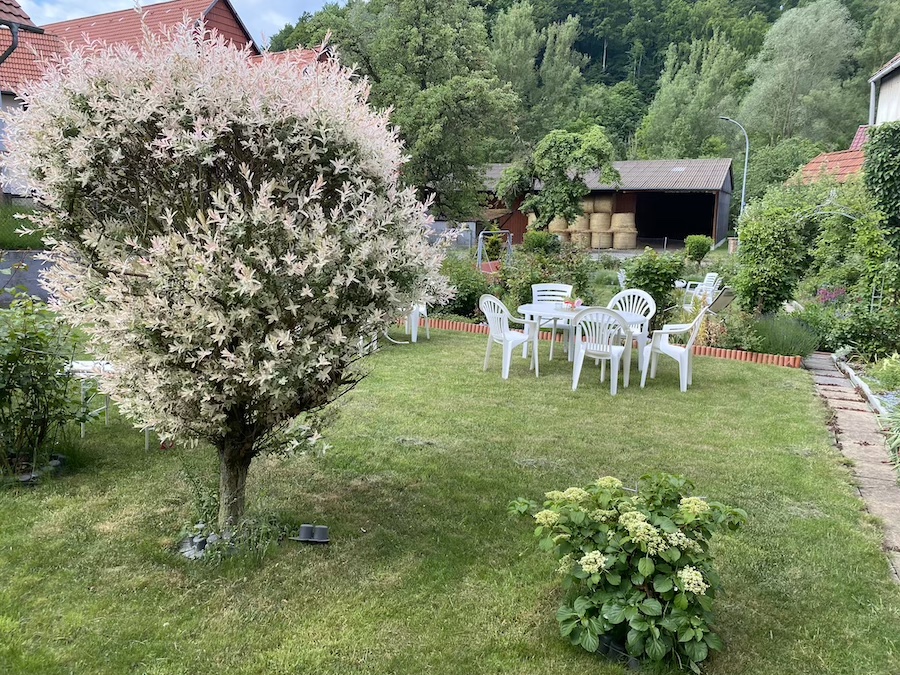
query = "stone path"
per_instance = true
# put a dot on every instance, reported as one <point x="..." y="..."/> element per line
<point x="859" y="437"/>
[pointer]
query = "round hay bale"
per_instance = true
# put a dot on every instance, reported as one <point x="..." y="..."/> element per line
<point x="603" y="204"/>
<point x="600" y="222"/>
<point x="604" y="239"/>
<point x="622" y="222"/>
<point x="564" y="235"/>
<point x="581" y="224"/>
<point x="624" y="240"/>
<point x="558" y="224"/>
<point x="582" y="239"/>
<point x="587" y="205"/>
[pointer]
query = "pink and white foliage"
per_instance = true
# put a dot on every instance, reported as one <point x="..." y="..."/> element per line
<point x="226" y="229"/>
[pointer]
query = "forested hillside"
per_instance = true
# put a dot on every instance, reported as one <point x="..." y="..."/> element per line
<point x="472" y="82"/>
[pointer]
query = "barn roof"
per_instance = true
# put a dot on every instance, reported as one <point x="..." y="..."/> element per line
<point x="838" y="165"/>
<point x="886" y="69"/>
<point x="125" y="26"/>
<point x="670" y="175"/>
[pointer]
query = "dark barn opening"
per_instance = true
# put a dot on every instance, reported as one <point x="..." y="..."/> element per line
<point x="675" y="215"/>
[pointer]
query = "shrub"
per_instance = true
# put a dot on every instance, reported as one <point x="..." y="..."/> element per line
<point x="785" y="335"/>
<point x="731" y="329"/>
<point x="873" y="332"/>
<point x="887" y="372"/>
<point x="541" y="241"/>
<point x="636" y="568"/>
<point x="35" y="401"/>
<point x="227" y="240"/>
<point x="655" y="274"/>
<point x="570" y="266"/>
<point x="696" y="246"/>
<point x="880" y="175"/>
<point x="470" y="285"/>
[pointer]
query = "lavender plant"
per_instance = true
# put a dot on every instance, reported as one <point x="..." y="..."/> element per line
<point x="225" y="229"/>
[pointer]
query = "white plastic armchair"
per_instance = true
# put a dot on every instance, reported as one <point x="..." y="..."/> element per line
<point x="419" y="311"/>
<point x="598" y="335"/>
<point x="553" y="293"/>
<point x="702" y="291"/>
<point x="640" y="302"/>
<point x="498" y="318"/>
<point x="682" y="353"/>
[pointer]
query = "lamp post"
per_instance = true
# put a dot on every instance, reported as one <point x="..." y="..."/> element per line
<point x="746" y="161"/>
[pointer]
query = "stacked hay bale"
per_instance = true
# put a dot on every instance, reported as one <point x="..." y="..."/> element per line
<point x="624" y="231"/>
<point x="580" y="229"/>
<point x="600" y="222"/>
<point x="559" y="227"/>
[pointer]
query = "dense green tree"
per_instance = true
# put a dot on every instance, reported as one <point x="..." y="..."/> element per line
<point x="618" y="109"/>
<point x="803" y="84"/>
<point x="697" y="85"/>
<point x="429" y="61"/>
<point x="773" y="165"/>
<point x="542" y="67"/>
<point x="881" y="42"/>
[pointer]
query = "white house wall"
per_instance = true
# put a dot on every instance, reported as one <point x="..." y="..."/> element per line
<point x="889" y="99"/>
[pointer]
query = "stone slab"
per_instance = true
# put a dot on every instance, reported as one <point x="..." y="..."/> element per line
<point x="840" y="394"/>
<point x="856" y="420"/>
<point x="832" y="381"/>
<point x="844" y="404"/>
<point x="881" y="502"/>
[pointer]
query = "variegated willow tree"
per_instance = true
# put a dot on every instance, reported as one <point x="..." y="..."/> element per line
<point x="226" y="229"/>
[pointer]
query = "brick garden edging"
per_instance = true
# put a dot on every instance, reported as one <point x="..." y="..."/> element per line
<point x="715" y="352"/>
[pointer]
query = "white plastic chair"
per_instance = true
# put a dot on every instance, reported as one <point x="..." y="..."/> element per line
<point x="553" y="293"/>
<point x="417" y="312"/>
<point x="704" y="291"/>
<point x="598" y="334"/>
<point x="498" y="318"/>
<point x="640" y="302"/>
<point x="659" y="344"/>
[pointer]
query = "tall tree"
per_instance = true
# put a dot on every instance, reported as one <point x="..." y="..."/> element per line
<point x="695" y="88"/>
<point x="881" y="42"/>
<point x="618" y="109"/>
<point x="428" y="61"/>
<point x="802" y="75"/>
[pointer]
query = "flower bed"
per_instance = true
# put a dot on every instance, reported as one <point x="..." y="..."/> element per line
<point x="733" y="354"/>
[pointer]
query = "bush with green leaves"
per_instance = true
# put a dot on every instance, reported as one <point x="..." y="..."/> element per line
<point x="470" y="284"/>
<point x="730" y="329"/>
<point x="696" y="246"/>
<point x="874" y="332"/>
<point x="541" y="241"/>
<point x="785" y="335"/>
<point x="656" y="274"/>
<point x="881" y="176"/>
<point x="569" y="266"/>
<point x="36" y="399"/>
<point x="887" y="373"/>
<point x="636" y="568"/>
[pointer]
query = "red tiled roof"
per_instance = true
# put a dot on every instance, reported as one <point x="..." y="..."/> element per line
<point x="124" y="26"/>
<point x="10" y="11"/>
<point x="859" y="140"/>
<point x="838" y="165"/>
<point x="26" y="63"/>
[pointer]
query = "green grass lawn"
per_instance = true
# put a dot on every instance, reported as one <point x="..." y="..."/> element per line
<point x="426" y="573"/>
<point x="9" y="239"/>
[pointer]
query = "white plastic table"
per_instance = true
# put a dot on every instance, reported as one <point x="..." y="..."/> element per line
<point x="538" y="311"/>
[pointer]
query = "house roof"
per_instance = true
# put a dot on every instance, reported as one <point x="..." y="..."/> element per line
<point x="670" y="175"/>
<point x="859" y="140"/>
<point x="886" y="69"/>
<point x="838" y="165"/>
<point x="126" y="26"/>
<point x="10" y="11"/>
<point x="26" y="63"/>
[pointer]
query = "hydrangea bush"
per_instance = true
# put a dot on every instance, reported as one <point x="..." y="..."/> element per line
<point x="636" y="566"/>
<point x="226" y="229"/>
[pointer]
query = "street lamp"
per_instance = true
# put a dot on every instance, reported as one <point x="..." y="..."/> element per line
<point x="746" y="161"/>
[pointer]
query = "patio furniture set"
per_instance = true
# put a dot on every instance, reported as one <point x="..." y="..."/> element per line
<point x="604" y="334"/>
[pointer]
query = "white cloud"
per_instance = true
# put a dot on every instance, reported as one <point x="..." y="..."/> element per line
<point x="263" y="18"/>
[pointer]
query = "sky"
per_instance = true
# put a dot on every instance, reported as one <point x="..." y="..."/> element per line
<point x="263" y="18"/>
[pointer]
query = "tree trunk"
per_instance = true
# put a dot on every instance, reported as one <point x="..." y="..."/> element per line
<point x="234" y="464"/>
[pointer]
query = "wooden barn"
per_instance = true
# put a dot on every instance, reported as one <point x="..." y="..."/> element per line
<point x="668" y="199"/>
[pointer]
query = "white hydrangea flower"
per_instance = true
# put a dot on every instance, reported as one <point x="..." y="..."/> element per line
<point x="547" y="518"/>
<point x="576" y="494"/>
<point x="692" y="580"/>
<point x="608" y="483"/>
<point x="694" y="506"/>
<point x="593" y="562"/>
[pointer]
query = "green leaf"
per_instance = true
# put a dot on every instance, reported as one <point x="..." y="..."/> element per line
<point x="681" y="601"/>
<point x="640" y="625"/>
<point x="662" y="584"/>
<point x="567" y="626"/>
<point x="635" y="642"/>
<point x="631" y="612"/>
<point x="582" y="604"/>
<point x="666" y="524"/>
<point x="686" y="635"/>
<point x="637" y="579"/>
<point x="577" y="517"/>
<point x="651" y="607"/>
<point x="646" y="566"/>
<point x="565" y="613"/>
<point x="713" y="641"/>
<point x="613" y="578"/>
<point x="546" y="544"/>
<point x="696" y="651"/>
<point x="614" y="613"/>
<point x="590" y="641"/>
<point x="656" y="649"/>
